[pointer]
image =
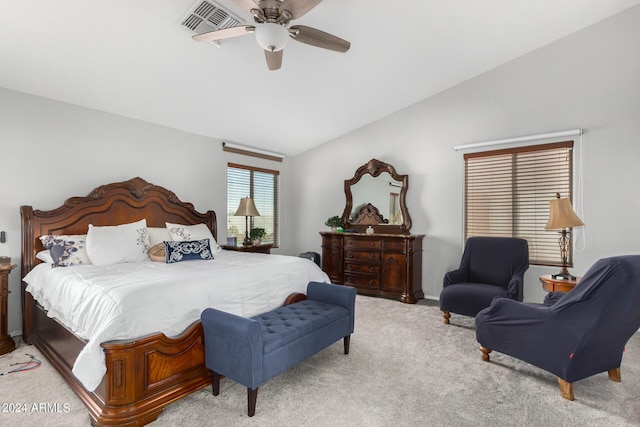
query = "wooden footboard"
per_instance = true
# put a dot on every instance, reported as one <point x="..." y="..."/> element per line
<point x="142" y="376"/>
<point x="172" y="367"/>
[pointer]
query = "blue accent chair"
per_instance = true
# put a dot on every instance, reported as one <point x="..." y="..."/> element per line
<point x="581" y="334"/>
<point x="250" y="351"/>
<point x="490" y="267"/>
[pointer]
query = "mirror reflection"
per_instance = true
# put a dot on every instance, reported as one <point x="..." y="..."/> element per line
<point x="383" y="193"/>
<point x="376" y="197"/>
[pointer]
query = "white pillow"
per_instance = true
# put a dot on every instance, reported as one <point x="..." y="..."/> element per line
<point x="191" y="233"/>
<point x="158" y="235"/>
<point x="45" y="256"/>
<point x="114" y="244"/>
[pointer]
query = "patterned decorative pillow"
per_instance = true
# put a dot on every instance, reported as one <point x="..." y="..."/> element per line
<point x="66" y="250"/>
<point x="191" y="233"/>
<point x="177" y="251"/>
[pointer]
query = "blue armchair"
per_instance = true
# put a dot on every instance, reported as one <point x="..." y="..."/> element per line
<point x="582" y="334"/>
<point x="490" y="267"/>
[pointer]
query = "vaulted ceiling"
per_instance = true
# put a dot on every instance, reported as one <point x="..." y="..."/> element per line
<point x="135" y="58"/>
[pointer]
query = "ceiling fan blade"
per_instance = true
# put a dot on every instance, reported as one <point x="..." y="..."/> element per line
<point x="298" y="7"/>
<point x="319" y="38"/>
<point x="274" y="59"/>
<point x="225" y="33"/>
<point x="246" y="4"/>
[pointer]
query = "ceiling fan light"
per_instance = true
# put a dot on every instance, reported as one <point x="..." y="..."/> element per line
<point x="271" y="36"/>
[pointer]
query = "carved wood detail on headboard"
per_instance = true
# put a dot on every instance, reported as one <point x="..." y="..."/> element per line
<point x="369" y="215"/>
<point x="110" y="204"/>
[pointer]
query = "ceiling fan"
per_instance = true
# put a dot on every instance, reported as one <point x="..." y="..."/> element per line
<point x="272" y="18"/>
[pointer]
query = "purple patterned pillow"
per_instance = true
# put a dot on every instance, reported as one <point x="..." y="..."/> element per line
<point x="66" y="250"/>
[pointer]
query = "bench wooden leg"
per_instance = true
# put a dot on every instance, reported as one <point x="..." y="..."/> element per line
<point x="347" y="339"/>
<point x="215" y="383"/>
<point x="252" y="396"/>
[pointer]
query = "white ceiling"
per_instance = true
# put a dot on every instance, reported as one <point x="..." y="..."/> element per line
<point x="133" y="58"/>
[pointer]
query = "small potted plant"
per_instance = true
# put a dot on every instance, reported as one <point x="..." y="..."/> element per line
<point x="334" y="222"/>
<point x="257" y="234"/>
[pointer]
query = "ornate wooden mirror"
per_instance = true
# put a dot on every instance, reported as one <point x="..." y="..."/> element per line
<point x="376" y="197"/>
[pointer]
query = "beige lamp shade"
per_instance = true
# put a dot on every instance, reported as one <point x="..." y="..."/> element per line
<point x="247" y="208"/>
<point x="562" y="215"/>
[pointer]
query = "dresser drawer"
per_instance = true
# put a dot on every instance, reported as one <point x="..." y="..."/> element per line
<point x="332" y="241"/>
<point x="361" y="281"/>
<point x="394" y="245"/>
<point x="370" y="257"/>
<point x="362" y="268"/>
<point x="351" y="242"/>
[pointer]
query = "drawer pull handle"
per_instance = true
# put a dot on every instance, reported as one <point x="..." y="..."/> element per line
<point x="371" y="269"/>
<point x="349" y="279"/>
<point x="349" y="267"/>
<point x="372" y="257"/>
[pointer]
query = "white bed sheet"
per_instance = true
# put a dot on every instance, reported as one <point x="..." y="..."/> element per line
<point x="126" y="301"/>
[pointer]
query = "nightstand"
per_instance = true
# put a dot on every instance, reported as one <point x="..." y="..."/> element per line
<point x="261" y="249"/>
<point x="6" y="342"/>
<point x="562" y="285"/>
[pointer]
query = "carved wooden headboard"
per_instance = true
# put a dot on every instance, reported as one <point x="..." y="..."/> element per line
<point x="111" y="204"/>
<point x="368" y="215"/>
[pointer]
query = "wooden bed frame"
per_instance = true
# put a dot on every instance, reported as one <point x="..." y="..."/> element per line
<point x="143" y="375"/>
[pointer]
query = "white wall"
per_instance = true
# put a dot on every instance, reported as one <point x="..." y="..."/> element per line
<point x="589" y="80"/>
<point x="51" y="151"/>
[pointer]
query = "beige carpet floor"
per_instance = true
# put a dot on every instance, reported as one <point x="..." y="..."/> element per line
<point x="406" y="368"/>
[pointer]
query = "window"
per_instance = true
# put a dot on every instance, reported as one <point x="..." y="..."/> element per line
<point x="262" y="186"/>
<point x="507" y="194"/>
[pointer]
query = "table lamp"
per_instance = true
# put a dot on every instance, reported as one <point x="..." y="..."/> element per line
<point x="247" y="208"/>
<point x="562" y="217"/>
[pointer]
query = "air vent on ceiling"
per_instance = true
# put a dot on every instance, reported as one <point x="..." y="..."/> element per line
<point x="206" y="16"/>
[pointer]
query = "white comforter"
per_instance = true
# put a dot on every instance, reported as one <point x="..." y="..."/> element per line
<point x="125" y="301"/>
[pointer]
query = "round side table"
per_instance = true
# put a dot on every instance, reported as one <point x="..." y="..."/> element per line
<point x="562" y="285"/>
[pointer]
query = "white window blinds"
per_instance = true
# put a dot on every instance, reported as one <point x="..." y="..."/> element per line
<point x="262" y="186"/>
<point x="507" y="194"/>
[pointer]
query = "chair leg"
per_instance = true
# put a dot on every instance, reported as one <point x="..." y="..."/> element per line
<point x="614" y="375"/>
<point x="485" y="353"/>
<point x="215" y="383"/>
<point x="446" y="316"/>
<point x="252" y="396"/>
<point x="347" y="339"/>
<point x="566" y="389"/>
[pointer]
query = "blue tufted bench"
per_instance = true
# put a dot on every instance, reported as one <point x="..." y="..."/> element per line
<point x="252" y="351"/>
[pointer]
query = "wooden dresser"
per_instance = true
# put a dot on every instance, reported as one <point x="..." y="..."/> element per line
<point x="384" y="265"/>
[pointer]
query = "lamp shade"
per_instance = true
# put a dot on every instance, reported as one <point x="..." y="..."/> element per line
<point x="562" y="215"/>
<point x="247" y="208"/>
<point x="271" y="36"/>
